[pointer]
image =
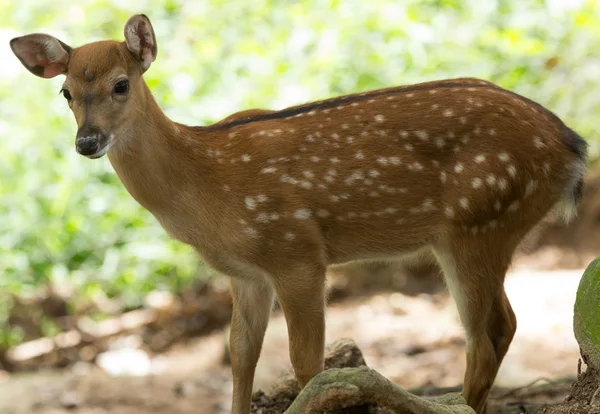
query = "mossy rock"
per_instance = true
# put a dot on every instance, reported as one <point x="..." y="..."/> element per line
<point x="586" y="321"/>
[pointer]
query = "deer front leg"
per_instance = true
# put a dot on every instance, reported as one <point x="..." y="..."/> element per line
<point x="302" y="299"/>
<point x="252" y="302"/>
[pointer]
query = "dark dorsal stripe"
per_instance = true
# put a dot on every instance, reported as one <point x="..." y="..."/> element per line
<point x="333" y="102"/>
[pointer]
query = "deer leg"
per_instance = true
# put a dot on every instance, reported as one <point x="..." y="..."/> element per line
<point x="302" y="299"/>
<point x="252" y="302"/>
<point x="474" y="271"/>
<point x="503" y="325"/>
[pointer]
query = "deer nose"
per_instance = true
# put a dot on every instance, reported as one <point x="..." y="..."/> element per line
<point x="87" y="145"/>
<point x="88" y="141"/>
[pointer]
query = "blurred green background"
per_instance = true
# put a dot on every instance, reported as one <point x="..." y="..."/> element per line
<point x="67" y="222"/>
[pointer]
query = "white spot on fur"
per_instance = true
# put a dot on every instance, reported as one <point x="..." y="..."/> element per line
<point x="289" y="236"/>
<point x="538" y="142"/>
<point x="502" y="184"/>
<point x="359" y="155"/>
<point x="448" y="112"/>
<point x="374" y="173"/>
<point x="268" y="170"/>
<point x="443" y="176"/>
<point x="262" y="218"/>
<point x="226" y="187"/>
<point x="382" y="160"/>
<point x="503" y="156"/>
<point x="415" y="166"/>
<point x="245" y="158"/>
<point x="480" y="158"/>
<point x="512" y="170"/>
<point x="477" y="182"/>
<point x="423" y="136"/>
<point x="334" y="160"/>
<point x="314" y="158"/>
<point x="497" y="206"/>
<point x="379" y="118"/>
<point x="302" y="214"/>
<point x="355" y="176"/>
<point x="464" y="202"/>
<point x="440" y="143"/>
<point x="308" y="174"/>
<point x="251" y="231"/>
<point x="458" y="168"/>
<point x="250" y="203"/>
<point x="490" y="179"/>
<point x="514" y="206"/>
<point x="449" y="212"/>
<point x="408" y="147"/>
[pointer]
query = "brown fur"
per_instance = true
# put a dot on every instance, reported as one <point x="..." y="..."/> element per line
<point x="256" y="195"/>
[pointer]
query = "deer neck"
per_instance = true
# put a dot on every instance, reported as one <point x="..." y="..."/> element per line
<point x="150" y="156"/>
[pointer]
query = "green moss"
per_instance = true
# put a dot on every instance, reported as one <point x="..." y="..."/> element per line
<point x="587" y="314"/>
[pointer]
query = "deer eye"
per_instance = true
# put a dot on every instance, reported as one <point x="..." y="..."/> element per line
<point x="122" y="87"/>
<point x="66" y="94"/>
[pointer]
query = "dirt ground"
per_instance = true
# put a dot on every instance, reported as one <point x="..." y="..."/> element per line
<point x="414" y="340"/>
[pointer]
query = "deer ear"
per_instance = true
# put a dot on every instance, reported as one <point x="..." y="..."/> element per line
<point x="42" y="54"/>
<point x="140" y="39"/>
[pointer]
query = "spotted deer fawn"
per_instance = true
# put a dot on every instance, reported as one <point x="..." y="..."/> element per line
<point x="461" y="168"/>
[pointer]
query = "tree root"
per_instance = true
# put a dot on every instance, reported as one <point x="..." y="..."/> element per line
<point x="338" y="388"/>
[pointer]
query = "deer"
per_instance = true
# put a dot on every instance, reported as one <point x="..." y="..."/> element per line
<point x="461" y="169"/>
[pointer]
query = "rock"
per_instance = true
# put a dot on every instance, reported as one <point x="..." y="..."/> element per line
<point x="125" y="362"/>
<point x="586" y="320"/>
<point x="343" y="353"/>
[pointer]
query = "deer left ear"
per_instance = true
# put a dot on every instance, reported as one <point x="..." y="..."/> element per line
<point x="140" y="39"/>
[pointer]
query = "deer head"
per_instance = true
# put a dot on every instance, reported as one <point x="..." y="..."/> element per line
<point x="103" y="84"/>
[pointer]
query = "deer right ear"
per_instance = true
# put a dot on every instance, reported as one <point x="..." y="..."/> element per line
<point x="140" y="39"/>
<point x="42" y="54"/>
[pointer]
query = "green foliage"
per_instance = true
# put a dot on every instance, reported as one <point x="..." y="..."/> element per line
<point x="67" y="220"/>
<point x="586" y="319"/>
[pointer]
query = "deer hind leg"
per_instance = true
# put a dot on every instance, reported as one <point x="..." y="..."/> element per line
<point x="301" y="295"/>
<point x="474" y="270"/>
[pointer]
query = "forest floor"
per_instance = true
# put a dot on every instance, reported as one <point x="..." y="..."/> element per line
<point x="413" y="339"/>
